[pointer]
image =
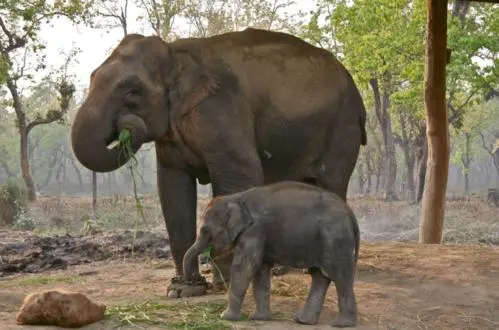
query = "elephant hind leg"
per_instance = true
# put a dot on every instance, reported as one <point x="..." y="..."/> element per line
<point x="311" y="312"/>
<point x="347" y="304"/>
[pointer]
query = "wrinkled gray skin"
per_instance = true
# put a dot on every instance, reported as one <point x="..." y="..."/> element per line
<point x="289" y="223"/>
<point x="237" y="110"/>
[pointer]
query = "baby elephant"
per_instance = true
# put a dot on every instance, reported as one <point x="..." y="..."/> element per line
<point x="289" y="223"/>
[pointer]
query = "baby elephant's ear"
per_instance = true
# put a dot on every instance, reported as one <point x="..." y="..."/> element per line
<point x="238" y="220"/>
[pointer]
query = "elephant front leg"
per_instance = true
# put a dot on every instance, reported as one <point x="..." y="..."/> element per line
<point x="242" y="172"/>
<point x="261" y="292"/>
<point x="241" y="272"/>
<point x="177" y="194"/>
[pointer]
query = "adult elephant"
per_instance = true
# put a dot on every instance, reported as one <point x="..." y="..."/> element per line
<point x="236" y="110"/>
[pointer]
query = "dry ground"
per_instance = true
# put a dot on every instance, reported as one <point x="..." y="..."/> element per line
<point x="399" y="286"/>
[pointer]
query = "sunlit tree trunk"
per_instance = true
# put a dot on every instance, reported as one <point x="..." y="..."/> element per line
<point x="432" y="215"/>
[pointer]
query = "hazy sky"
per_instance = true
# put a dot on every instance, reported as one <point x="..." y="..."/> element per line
<point x="96" y="44"/>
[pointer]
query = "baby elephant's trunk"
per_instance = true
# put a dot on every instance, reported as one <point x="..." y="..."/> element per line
<point x="190" y="257"/>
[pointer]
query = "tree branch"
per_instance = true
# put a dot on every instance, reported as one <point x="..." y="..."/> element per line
<point x="66" y="91"/>
<point x="484" y="144"/>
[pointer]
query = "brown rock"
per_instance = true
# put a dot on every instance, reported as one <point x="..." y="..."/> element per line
<point x="59" y="307"/>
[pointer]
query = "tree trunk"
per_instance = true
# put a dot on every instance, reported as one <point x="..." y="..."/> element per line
<point x="25" y="167"/>
<point x="405" y="143"/>
<point x="432" y="215"/>
<point x="360" y="172"/>
<point x="381" y="106"/>
<point x="391" y="164"/>
<point x="94" y="195"/>
<point x="50" y="171"/>
<point x="77" y="171"/>
<point x="421" y="151"/>
<point x="466" y="161"/>
<point x="369" y="173"/>
<point x="411" y="187"/>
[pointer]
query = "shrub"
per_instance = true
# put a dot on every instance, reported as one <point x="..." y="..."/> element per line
<point x="13" y="201"/>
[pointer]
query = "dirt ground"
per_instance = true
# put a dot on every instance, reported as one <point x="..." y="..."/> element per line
<point x="399" y="286"/>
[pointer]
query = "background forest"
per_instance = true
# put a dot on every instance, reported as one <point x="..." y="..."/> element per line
<point x="381" y="42"/>
<point x="104" y="234"/>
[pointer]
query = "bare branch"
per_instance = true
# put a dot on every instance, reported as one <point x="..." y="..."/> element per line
<point x="23" y="67"/>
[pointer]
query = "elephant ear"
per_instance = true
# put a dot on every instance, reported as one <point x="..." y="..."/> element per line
<point x="189" y="83"/>
<point x="239" y="219"/>
<point x="208" y="85"/>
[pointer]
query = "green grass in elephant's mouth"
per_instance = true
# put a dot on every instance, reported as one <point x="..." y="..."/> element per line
<point x="123" y="141"/>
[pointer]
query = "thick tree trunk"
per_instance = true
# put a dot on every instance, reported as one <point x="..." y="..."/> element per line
<point x="433" y="211"/>
<point x="24" y="139"/>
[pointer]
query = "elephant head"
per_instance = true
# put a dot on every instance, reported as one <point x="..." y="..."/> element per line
<point x="223" y="223"/>
<point x="127" y="91"/>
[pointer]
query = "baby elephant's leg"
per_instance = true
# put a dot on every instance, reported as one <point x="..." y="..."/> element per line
<point x="261" y="291"/>
<point x="347" y="304"/>
<point x="310" y="313"/>
<point x="241" y="273"/>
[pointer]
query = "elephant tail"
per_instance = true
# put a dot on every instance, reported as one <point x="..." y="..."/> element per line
<point x="356" y="102"/>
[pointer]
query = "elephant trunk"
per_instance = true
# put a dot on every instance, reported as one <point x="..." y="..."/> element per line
<point x="191" y="256"/>
<point x="93" y="131"/>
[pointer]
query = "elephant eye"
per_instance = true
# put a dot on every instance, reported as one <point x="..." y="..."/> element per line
<point x="132" y="97"/>
<point x="134" y="92"/>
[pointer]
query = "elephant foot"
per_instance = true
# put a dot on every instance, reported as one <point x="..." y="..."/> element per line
<point x="344" y="322"/>
<point x="231" y="315"/>
<point x="259" y="316"/>
<point x="301" y="318"/>
<point x="180" y="288"/>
